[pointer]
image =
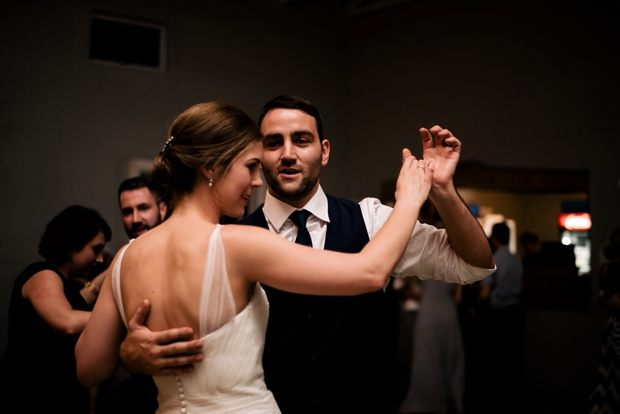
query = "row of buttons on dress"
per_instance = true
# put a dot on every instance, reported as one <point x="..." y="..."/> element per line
<point x="182" y="396"/>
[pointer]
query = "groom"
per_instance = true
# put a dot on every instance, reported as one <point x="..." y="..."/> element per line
<point x="326" y="354"/>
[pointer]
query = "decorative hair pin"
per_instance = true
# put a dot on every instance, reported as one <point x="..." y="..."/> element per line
<point x="166" y="145"/>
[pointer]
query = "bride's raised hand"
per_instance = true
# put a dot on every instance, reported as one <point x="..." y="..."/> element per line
<point x="414" y="181"/>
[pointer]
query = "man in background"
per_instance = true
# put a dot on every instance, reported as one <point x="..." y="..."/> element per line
<point x="142" y="206"/>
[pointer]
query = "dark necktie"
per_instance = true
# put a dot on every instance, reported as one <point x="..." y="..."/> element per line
<point x="299" y="217"/>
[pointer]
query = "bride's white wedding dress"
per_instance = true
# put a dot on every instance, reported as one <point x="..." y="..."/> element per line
<point x="230" y="379"/>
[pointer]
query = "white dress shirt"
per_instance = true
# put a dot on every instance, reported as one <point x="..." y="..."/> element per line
<point x="428" y="254"/>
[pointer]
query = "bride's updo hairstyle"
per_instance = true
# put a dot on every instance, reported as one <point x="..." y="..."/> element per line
<point x="210" y="135"/>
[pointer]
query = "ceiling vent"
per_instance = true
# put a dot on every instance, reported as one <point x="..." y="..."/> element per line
<point x="127" y="42"/>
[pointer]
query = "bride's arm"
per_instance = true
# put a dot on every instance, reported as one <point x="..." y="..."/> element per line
<point x="96" y="352"/>
<point x="254" y="254"/>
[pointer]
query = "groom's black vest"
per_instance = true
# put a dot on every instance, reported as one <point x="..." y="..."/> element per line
<point x="327" y="354"/>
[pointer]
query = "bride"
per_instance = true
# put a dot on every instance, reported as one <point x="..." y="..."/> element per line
<point x="198" y="273"/>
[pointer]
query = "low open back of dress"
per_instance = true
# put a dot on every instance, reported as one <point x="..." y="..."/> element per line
<point x="230" y="378"/>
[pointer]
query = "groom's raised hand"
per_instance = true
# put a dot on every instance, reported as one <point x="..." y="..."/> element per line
<point x="170" y="352"/>
<point x="445" y="152"/>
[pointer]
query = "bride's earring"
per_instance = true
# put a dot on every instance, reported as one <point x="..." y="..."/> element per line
<point x="210" y="182"/>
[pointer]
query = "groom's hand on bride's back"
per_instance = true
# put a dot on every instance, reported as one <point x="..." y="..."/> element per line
<point x="170" y="352"/>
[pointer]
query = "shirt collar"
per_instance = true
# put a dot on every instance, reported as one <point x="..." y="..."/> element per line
<point x="277" y="211"/>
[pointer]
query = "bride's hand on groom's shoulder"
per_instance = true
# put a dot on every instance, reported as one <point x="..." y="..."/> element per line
<point x="170" y="352"/>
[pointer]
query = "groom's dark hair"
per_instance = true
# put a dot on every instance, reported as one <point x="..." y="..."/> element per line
<point x="293" y="102"/>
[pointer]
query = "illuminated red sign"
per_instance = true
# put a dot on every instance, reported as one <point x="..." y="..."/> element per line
<point x="575" y="221"/>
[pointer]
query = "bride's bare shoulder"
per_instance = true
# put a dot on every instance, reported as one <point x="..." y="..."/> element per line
<point x="166" y="242"/>
<point x="241" y="230"/>
<point x="244" y="236"/>
<point x="149" y="241"/>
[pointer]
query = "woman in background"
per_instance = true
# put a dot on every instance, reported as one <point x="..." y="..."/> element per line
<point x="437" y="377"/>
<point x="50" y="305"/>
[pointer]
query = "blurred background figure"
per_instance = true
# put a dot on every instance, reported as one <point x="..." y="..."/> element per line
<point x="438" y="368"/>
<point x="471" y="312"/>
<point x="50" y="305"/>
<point x="606" y="395"/>
<point x="610" y="253"/>
<point x="504" y="326"/>
<point x="409" y="291"/>
<point x="530" y="243"/>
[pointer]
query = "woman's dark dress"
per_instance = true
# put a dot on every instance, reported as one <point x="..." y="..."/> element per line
<point x="38" y="368"/>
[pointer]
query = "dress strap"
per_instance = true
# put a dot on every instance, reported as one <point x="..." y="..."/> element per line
<point x="116" y="282"/>
<point x="217" y="304"/>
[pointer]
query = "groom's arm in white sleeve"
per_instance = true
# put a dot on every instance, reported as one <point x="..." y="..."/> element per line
<point x="460" y="253"/>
